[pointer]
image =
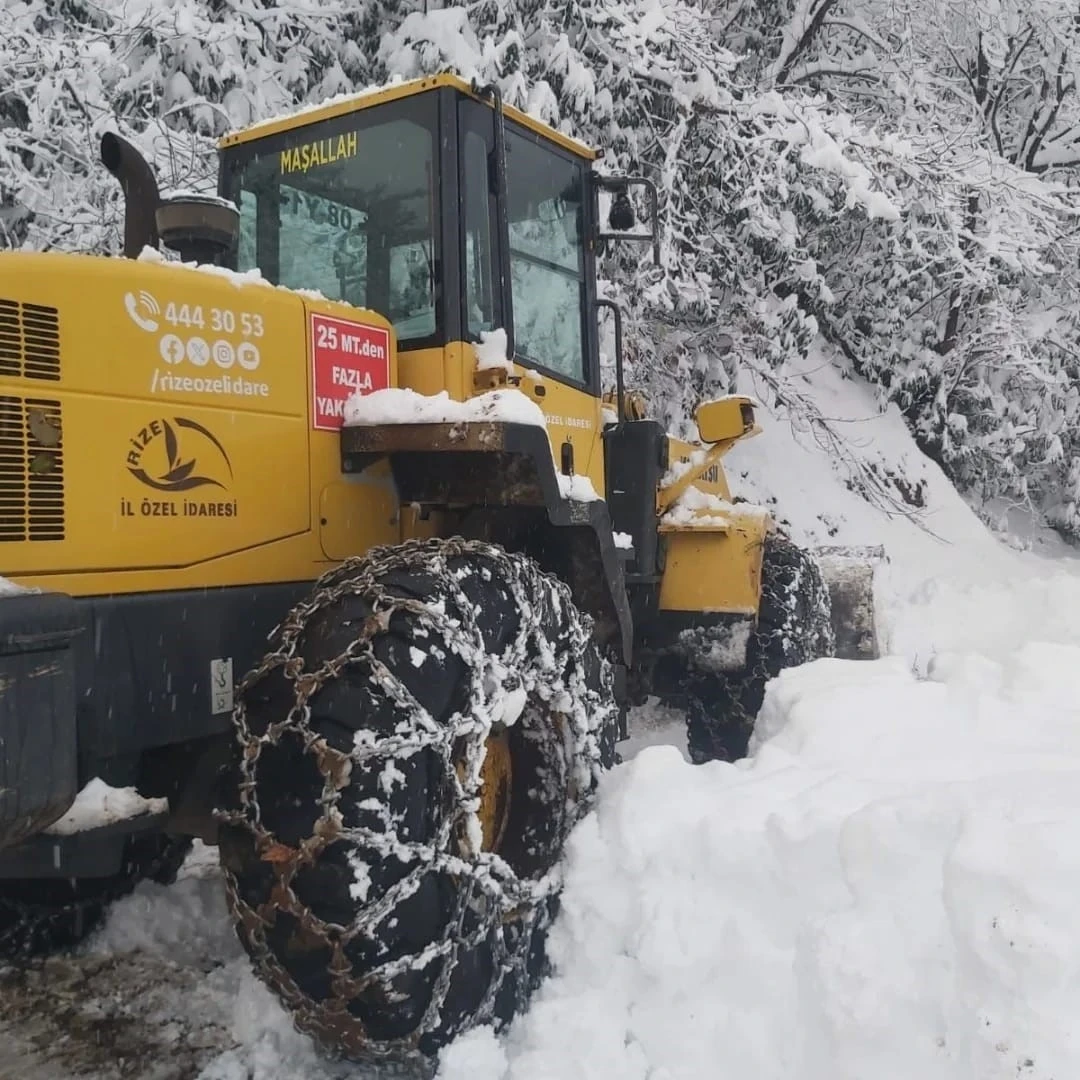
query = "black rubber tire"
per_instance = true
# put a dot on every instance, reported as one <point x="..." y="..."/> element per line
<point x="39" y="916"/>
<point x="345" y="845"/>
<point x="794" y="626"/>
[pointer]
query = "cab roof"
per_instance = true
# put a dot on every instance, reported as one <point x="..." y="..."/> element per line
<point x="378" y="95"/>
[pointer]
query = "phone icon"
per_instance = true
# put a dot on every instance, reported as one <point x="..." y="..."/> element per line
<point x="142" y="310"/>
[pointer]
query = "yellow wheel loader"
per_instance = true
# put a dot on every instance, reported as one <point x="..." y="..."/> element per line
<point x="325" y="537"/>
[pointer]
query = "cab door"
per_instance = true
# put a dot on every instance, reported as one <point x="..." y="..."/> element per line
<point x="549" y="297"/>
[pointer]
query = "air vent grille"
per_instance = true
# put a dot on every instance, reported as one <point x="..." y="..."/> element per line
<point x="31" y="470"/>
<point x="29" y="340"/>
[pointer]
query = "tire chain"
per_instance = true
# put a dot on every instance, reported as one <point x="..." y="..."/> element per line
<point x="514" y="900"/>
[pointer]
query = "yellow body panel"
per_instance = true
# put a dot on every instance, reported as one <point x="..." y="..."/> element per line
<point x="188" y="449"/>
<point x="714" y="559"/>
<point x="185" y="443"/>
<point x="369" y="99"/>
<point x="715" y="569"/>
<point x="573" y="416"/>
<point x="712" y="481"/>
<point x="431" y="371"/>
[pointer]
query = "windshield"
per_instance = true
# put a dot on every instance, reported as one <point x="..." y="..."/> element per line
<point x="347" y="208"/>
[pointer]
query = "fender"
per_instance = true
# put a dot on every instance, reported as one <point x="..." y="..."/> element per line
<point x="495" y="470"/>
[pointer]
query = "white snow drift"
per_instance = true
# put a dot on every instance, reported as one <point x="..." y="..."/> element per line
<point x="886" y="890"/>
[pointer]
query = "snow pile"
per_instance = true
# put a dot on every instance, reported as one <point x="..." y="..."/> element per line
<point x="9" y="588"/>
<point x="701" y="508"/>
<point x="859" y="479"/>
<point x="491" y="352"/>
<point x="577" y="488"/>
<point x="886" y="890"/>
<point x="99" y="804"/>
<point x="398" y="405"/>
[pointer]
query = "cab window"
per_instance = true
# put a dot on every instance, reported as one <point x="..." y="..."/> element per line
<point x="349" y="208"/>
<point x="545" y="193"/>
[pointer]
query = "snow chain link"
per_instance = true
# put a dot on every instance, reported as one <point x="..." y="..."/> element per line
<point x="515" y="905"/>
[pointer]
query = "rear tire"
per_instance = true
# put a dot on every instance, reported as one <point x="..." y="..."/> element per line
<point x="794" y="627"/>
<point x="388" y="896"/>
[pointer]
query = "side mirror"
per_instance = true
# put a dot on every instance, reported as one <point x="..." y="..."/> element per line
<point x="725" y="419"/>
<point x="621" y="216"/>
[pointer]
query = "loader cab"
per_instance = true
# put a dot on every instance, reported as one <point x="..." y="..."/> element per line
<point x="399" y="202"/>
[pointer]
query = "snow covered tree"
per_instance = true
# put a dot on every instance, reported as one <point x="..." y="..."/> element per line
<point x="893" y="175"/>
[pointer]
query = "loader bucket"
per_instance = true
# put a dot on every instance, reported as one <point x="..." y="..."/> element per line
<point x="849" y="575"/>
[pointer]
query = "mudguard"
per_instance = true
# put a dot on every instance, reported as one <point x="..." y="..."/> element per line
<point x="498" y="464"/>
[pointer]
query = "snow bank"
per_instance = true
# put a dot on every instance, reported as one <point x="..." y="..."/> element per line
<point x="887" y="890"/>
<point x="950" y="582"/>
<point x="99" y="804"/>
<point x="9" y="588"/>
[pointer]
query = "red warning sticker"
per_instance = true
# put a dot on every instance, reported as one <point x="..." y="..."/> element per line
<point x="346" y="357"/>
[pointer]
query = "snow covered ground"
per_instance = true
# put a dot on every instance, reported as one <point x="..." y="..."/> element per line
<point x="886" y="888"/>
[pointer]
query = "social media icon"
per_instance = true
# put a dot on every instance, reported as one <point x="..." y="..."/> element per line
<point x="247" y="356"/>
<point x="198" y="352"/>
<point x="171" y="349"/>
<point x="224" y="354"/>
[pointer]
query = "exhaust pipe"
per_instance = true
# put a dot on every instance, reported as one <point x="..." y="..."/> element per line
<point x="141" y="195"/>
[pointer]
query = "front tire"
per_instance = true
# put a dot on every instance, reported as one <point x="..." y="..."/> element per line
<point x="794" y="626"/>
<point x="410" y="758"/>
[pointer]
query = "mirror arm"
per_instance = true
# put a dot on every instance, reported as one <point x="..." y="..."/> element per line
<point x="620" y="403"/>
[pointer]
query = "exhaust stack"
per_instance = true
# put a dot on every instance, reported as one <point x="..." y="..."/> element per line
<point x="141" y="196"/>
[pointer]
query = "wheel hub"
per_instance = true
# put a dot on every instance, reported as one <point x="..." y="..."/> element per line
<point x="496" y="776"/>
